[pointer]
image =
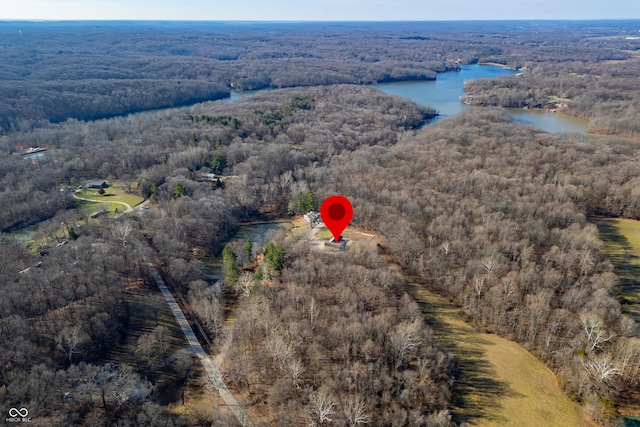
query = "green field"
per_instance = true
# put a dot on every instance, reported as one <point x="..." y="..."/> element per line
<point x="114" y="200"/>
<point x="499" y="383"/>
<point x="324" y="234"/>
<point x="91" y="207"/>
<point x="115" y="193"/>
<point x="622" y="245"/>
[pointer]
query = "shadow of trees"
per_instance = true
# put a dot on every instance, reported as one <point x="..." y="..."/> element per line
<point x="626" y="264"/>
<point x="477" y="393"/>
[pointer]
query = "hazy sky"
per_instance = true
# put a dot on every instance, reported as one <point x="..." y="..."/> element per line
<point x="376" y="10"/>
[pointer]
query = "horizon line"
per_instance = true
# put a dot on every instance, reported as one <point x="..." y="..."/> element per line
<point x="295" y="21"/>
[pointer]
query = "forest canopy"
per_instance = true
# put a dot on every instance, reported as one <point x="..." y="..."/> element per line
<point x="493" y="215"/>
<point x="58" y="70"/>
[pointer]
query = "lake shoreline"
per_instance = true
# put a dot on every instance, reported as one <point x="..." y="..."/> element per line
<point x="445" y="95"/>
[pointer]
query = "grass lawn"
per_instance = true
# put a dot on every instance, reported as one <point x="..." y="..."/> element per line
<point x="91" y="207"/>
<point x="500" y="383"/>
<point x="148" y="309"/>
<point x="111" y="195"/>
<point x="324" y="234"/>
<point x="115" y="193"/>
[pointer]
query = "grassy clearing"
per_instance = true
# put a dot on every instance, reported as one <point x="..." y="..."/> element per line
<point x="499" y="382"/>
<point x="622" y="244"/>
<point x="579" y="75"/>
<point x="557" y="99"/>
<point x="112" y="194"/>
<point x="324" y="234"/>
<point x="90" y="207"/>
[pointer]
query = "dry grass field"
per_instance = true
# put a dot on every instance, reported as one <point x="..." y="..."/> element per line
<point x="500" y="383"/>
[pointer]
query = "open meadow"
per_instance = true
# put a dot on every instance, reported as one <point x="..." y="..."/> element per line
<point x="622" y="244"/>
<point x="499" y="383"/>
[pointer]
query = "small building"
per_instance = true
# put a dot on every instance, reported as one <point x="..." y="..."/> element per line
<point x="33" y="150"/>
<point x="97" y="184"/>
<point x="98" y="214"/>
<point x="206" y="177"/>
<point x="339" y="246"/>
<point x="312" y="217"/>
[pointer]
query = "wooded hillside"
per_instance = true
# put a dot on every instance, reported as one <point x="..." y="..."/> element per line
<point x="492" y="214"/>
<point x="58" y="70"/>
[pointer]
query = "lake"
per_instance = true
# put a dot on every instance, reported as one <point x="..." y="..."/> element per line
<point x="444" y="94"/>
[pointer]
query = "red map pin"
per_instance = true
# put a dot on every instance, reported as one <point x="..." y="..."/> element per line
<point x="336" y="213"/>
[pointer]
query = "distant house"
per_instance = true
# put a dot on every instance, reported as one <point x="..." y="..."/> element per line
<point x="97" y="184"/>
<point x="98" y="214"/>
<point x="312" y="217"/>
<point x="206" y="177"/>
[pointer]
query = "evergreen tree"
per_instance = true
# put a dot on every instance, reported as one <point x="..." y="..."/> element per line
<point x="178" y="190"/>
<point x="248" y="251"/>
<point x="257" y="275"/>
<point x="218" y="163"/>
<point x="305" y="202"/>
<point x="231" y="272"/>
<point x="309" y="201"/>
<point x="274" y="256"/>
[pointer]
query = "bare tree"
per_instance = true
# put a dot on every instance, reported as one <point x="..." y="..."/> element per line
<point x="355" y="409"/>
<point x="320" y="407"/>
<point x="313" y="311"/>
<point x="404" y="339"/>
<point x="594" y="330"/>
<point x="70" y="340"/>
<point x="490" y="264"/>
<point x="154" y="345"/>
<point x="446" y="248"/>
<point x="280" y="348"/>
<point x="295" y="369"/>
<point x="602" y="368"/>
<point x="122" y="232"/>
<point x="244" y="284"/>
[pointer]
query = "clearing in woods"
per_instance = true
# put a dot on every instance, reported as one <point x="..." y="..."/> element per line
<point x="117" y="193"/>
<point x="499" y="383"/>
<point x="622" y="244"/>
